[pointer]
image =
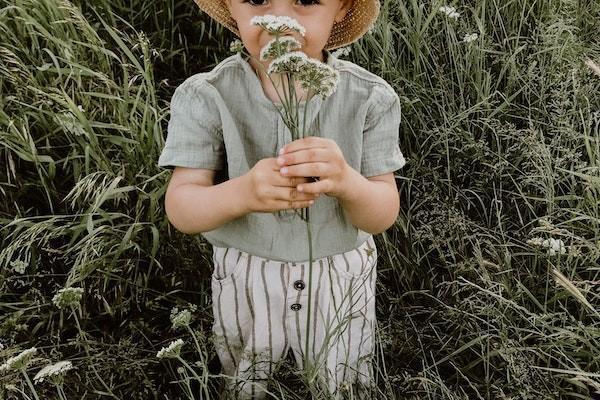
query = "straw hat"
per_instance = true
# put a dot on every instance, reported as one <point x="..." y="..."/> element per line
<point x="358" y="20"/>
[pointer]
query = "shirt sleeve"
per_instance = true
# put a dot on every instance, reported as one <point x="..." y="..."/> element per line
<point x="381" y="150"/>
<point x="194" y="133"/>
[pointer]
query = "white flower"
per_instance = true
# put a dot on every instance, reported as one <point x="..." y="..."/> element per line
<point x="236" y="46"/>
<point x="290" y="63"/>
<point x="342" y="51"/>
<point x="55" y="372"/>
<point x="450" y="11"/>
<point x="18" y="362"/>
<point x="171" y="351"/>
<point x="553" y="245"/>
<point x="67" y="297"/>
<point x="80" y="108"/>
<point x="470" y="37"/>
<point x="180" y="319"/>
<point x="19" y="266"/>
<point x="277" y="47"/>
<point x="318" y="77"/>
<point x="277" y="25"/>
<point x="180" y="370"/>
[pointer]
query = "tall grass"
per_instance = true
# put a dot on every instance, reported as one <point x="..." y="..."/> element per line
<point x="502" y="137"/>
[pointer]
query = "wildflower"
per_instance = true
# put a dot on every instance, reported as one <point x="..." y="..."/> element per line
<point x="342" y="51"/>
<point x="19" y="266"/>
<point x="290" y="63"/>
<point x="180" y="319"/>
<point x="180" y="370"/>
<point x="18" y="362"/>
<point x="318" y="77"/>
<point x="553" y="245"/>
<point x="67" y="297"/>
<point x="470" y="37"/>
<point x="278" y="47"/>
<point x="236" y="46"/>
<point x="545" y="222"/>
<point x="276" y="25"/>
<point x="80" y="108"/>
<point x="54" y="372"/>
<point x="450" y="11"/>
<point x="171" y="351"/>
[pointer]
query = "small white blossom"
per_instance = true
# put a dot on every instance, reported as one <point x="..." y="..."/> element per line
<point x="342" y="51"/>
<point x="276" y="25"/>
<point x="450" y="11"/>
<point x="18" y="362"/>
<point x="67" y="297"/>
<point x="288" y="63"/>
<point x="19" y="266"/>
<point x="171" y="351"/>
<point x="236" y="46"/>
<point x="80" y="108"/>
<point x="180" y="370"/>
<point x="277" y="47"/>
<point x="180" y="319"/>
<point x="319" y="77"/>
<point x="54" y="372"/>
<point x="470" y="37"/>
<point x="553" y="245"/>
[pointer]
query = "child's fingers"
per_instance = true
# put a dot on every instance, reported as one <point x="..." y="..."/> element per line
<point x="284" y="205"/>
<point x="290" y="181"/>
<point x="319" y="186"/>
<point x="291" y="194"/>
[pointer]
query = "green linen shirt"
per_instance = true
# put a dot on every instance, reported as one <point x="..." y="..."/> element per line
<point x="223" y="120"/>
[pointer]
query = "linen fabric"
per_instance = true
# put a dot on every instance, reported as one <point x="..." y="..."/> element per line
<point x="223" y="120"/>
<point x="260" y="309"/>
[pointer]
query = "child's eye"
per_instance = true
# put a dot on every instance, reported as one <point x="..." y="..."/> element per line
<point x="303" y="2"/>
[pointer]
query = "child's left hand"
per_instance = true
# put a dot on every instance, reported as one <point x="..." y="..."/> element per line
<point x="316" y="156"/>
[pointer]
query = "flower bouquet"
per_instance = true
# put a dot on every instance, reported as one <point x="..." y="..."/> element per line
<point x="314" y="76"/>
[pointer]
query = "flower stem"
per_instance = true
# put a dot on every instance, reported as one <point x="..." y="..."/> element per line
<point x="185" y="363"/>
<point x="30" y="384"/>
<point x="60" y="392"/>
<point x="83" y="335"/>
<point x="204" y="369"/>
<point x="310" y="270"/>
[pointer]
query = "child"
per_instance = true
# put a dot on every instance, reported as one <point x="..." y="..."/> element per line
<point x="228" y="120"/>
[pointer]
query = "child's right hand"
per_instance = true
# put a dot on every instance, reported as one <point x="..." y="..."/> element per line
<point x="269" y="191"/>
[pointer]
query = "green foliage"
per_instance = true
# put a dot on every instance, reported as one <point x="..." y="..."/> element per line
<point x="502" y="138"/>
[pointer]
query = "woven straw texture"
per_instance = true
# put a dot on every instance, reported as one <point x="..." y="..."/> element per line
<point x="360" y="18"/>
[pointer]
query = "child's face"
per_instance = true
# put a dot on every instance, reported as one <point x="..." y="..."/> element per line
<point x="317" y="16"/>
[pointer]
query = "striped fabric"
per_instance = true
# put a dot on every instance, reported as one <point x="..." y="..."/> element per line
<point x="260" y="310"/>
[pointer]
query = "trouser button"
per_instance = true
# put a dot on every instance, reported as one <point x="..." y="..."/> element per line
<point x="295" y="306"/>
<point x="299" y="285"/>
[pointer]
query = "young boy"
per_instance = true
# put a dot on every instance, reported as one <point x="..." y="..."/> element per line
<point x="227" y="121"/>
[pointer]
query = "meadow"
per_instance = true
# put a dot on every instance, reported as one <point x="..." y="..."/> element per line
<point x="488" y="283"/>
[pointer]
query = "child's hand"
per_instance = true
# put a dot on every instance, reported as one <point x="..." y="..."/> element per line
<point x="269" y="191"/>
<point x="318" y="157"/>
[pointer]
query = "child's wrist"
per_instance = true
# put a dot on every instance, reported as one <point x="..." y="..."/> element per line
<point x="244" y="199"/>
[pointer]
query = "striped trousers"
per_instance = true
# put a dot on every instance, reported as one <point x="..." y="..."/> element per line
<point x="260" y="310"/>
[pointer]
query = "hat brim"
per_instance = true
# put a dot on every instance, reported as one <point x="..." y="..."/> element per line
<point x="358" y="20"/>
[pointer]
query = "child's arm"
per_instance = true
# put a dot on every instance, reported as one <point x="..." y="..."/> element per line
<point x="194" y="204"/>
